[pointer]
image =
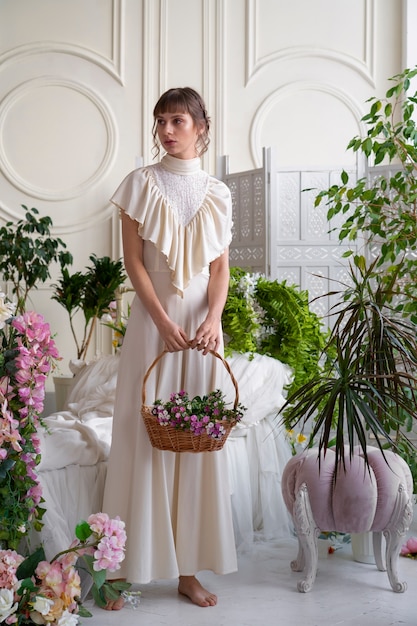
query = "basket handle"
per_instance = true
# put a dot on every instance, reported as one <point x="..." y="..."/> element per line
<point x="212" y="352"/>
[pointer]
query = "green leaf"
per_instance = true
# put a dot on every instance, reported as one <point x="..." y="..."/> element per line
<point x="27" y="568"/>
<point x="83" y="531"/>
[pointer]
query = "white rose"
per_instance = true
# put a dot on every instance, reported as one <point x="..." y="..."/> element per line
<point x="68" y="619"/>
<point x="6" y="603"/>
<point x="42" y="605"/>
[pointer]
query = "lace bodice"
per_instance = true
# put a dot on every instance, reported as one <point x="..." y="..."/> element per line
<point x="183" y="184"/>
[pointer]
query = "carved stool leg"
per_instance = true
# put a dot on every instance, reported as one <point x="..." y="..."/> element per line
<point x="394" y="534"/>
<point x="307" y="533"/>
<point x="377" y="546"/>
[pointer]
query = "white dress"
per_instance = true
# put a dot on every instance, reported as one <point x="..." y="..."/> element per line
<point x="176" y="507"/>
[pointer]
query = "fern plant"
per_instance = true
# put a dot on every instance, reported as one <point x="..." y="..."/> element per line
<point x="273" y="318"/>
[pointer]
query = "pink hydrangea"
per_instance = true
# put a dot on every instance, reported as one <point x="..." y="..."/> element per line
<point x="410" y="547"/>
<point x="9" y="562"/>
<point x="108" y="555"/>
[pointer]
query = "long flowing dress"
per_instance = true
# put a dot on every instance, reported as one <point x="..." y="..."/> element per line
<point x="176" y="507"/>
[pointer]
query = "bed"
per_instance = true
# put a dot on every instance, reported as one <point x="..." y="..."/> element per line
<point x="76" y="441"/>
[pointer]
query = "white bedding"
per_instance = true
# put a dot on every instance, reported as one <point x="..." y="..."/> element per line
<point x="76" y="446"/>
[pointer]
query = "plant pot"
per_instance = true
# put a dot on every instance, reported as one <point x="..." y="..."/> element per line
<point x="63" y="386"/>
<point x="362" y="548"/>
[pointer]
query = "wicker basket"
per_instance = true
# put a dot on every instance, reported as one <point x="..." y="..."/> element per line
<point x="167" y="437"/>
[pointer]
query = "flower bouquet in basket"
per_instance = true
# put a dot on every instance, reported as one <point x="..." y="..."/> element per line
<point x="199" y="424"/>
<point x="36" y="591"/>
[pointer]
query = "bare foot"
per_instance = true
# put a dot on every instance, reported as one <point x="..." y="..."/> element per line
<point x="114" y="605"/>
<point x="189" y="586"/>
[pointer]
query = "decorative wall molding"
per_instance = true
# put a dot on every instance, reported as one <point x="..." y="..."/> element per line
<point x="290" y="90"/>
<point x="64" y="194"/>
<point x="255" y="63"/>
<point x="80" y="225"/>
<point x="112" y="65"/>
<point x="220" y="87"/>
<point x="154" y="37"/>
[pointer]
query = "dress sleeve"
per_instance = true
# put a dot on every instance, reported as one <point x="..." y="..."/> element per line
<point x="188" y="249"/>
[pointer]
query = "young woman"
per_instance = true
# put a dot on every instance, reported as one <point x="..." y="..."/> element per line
<point x="176" y="225"/>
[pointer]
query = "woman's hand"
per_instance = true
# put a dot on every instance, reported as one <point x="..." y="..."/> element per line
<point x="207" y="336"/>
<point x="173" y="336"/>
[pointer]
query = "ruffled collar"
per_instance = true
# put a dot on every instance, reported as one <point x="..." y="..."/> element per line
<point x="181" y="166"/>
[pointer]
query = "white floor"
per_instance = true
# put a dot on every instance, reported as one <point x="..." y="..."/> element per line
<point x="264" y="593"/>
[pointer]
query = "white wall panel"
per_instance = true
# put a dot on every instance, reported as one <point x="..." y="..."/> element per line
<point x="69" y="123"/>
<point x="79" y="79"/>
<point x="309" y="67"/>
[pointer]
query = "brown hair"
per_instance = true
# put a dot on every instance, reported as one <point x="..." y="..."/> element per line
<point x="186" y="100"/>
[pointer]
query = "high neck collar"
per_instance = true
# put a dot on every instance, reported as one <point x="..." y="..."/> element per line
<point x="180" y="166"/>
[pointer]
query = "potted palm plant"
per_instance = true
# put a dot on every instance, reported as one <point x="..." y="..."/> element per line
<point x="368" y="385"/>
<point x="90" y="292"/>
<point x="366" y="393"/>
<point x="367" y="390"/>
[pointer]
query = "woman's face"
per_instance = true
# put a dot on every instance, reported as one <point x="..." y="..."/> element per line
<point x="178" y="134"/>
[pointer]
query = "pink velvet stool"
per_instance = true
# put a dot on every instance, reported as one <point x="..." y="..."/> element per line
<point x="360" y="500"/>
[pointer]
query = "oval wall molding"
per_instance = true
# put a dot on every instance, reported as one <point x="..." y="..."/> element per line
<point x="102" y="214"/>
<point x="112" y="65"/>
<point x="23" y="90"/>
<point x="289" y="90"/>
<point x="365" y="67"/>
<point x="306" y="52"/>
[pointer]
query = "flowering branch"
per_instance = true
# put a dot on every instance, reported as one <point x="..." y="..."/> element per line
<point x="28" y="353"/>
<point x="35" y="591"/>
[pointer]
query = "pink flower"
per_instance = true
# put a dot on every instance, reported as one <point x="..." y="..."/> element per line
<point x="51" y="574"/>
<point x="97" y="522"/>
<point x="72" y="587"/>
<point x="108" y="555"/>
<point x="9" y="562"/>
<point x="410" y="547"/>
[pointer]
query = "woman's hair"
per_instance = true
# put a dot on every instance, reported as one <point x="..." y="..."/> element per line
<point x="184" y="100"/>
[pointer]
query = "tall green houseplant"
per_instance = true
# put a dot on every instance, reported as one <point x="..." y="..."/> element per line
<point x="383" y="211"/>
<point x="371" y="384"/>
<point x="27" y="251"/>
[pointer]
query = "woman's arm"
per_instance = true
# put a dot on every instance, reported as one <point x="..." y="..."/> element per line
<point x="208" y="335"/>
<point x="173" y="335"/>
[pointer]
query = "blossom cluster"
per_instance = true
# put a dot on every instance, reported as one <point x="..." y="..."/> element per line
<point x="410" y="548"/>
<point x="200" y="415"/>
<point x="118" y="326"/>
<point x="27" y="355"/>
<point x="297" y="441"/>
<point x="36" y="591"/>
<point x="246" y="286"/>
<point x="110" y="537"/>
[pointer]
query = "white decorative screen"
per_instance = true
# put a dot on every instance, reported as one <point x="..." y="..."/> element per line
<point x="251" y="193"/>
<point x="278" y="231"/>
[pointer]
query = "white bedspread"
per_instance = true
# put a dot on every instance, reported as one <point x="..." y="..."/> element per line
<point x="76" y="447"/>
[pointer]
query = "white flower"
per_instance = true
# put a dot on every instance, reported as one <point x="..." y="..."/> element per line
<point x="6" y="603"/>
<point x="6" y="310"/>
<point x="42" y="605"/>
<point x="68" y="619"/>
